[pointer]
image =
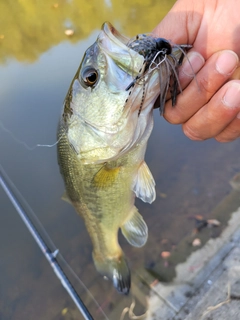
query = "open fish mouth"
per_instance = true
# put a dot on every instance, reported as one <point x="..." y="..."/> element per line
<point x="159" y="55"/>
<point x="153" y="77"/>
<point x="134" y="73"/>
<point x="127" y="76"/>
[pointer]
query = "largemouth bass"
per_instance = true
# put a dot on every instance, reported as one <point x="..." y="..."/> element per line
<point x="103" y="132"/>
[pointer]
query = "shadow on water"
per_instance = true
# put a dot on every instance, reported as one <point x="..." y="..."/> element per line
<point x="191" y="177"/>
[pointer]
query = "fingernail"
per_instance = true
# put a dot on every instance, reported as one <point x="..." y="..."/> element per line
<point x="238" y="115"/>
<point x="227" y="62"/>
<point x="231" y="98"/>
<point x="192" y="64"/>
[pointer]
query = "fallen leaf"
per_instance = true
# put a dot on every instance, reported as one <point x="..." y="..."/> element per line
<point x="213" y="223"/>
<point x="165" y="254"/>
<point x="196" y="242"/>
<point x="69" y="32"/>
<point x="198" y="217"/>
<point x="64" y="311"/>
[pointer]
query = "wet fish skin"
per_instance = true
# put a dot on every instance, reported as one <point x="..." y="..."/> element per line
<point x="103" y="134"/>
<point x="104" y="209"/>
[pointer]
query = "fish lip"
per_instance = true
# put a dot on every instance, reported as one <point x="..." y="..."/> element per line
<point x="115" y="45"/>
<point x="114" y="34"/>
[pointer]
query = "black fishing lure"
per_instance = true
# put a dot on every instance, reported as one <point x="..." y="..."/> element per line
<point x="159" y="54"/>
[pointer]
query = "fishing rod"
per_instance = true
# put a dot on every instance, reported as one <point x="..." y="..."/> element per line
<point x="49" y="255"/>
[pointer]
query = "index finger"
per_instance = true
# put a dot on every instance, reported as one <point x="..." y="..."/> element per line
<point x="216" y="71"/>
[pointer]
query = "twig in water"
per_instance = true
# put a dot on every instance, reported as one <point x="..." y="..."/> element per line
<point x="212" y="308"/>
<point x="130" y="312"/>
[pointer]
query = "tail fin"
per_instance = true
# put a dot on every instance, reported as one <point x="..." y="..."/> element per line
<point x="116" y="270"/>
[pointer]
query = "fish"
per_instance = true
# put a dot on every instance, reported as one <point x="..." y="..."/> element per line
<point x="103" y="131"/>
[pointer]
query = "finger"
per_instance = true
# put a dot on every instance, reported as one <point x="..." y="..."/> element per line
<point x="210" y="25"/>
<point x="231" y="132"/>
<point x="236" y="74"/>
<point x="192" y="64"/>
<point x="181" y="24"/>
<point x="216" y="71"/>
<point x="219" y="117"/>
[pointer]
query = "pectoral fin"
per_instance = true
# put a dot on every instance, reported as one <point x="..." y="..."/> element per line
<point x="135" y="229"/>
<point x="144" y="184"/>
<point x="105" y="177"/>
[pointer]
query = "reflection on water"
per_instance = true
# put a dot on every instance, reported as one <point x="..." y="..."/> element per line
<point x="192" y="177"/>
<point x="28" y="29"/>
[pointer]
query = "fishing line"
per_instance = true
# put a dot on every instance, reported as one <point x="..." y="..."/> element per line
<point x="3" y="128"/>
<point x="41" y="230"/>
<point x="16" y="197"/>
<point x="180" y="47"/>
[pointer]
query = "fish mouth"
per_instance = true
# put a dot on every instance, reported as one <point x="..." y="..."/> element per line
<point x="158" y="56"/>
<point x="163" y="58"/>
<point x="154" y="65"/>
<point x="116" y="46"/>
<point x="114" y="34"/>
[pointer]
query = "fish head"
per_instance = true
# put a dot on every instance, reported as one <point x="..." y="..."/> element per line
<point x="102" y="108"/>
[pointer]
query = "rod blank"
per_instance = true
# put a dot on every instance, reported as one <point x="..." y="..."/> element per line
<point x="50" y="256"/>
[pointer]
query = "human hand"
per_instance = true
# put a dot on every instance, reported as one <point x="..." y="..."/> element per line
<point x="210" y="103"/>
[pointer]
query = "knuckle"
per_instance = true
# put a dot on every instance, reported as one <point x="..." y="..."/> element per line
<point x="223" y="139"/>
<point x="173" y="120"/>
<point x="174" y="115"/>
<point x="191" y="133"/>
<point x="206" y="86"/>
<point x="228" y="135"/>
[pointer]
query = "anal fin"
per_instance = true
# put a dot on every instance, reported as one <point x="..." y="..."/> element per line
<point x="144" y="184"/>
<point x="135" y="230"/>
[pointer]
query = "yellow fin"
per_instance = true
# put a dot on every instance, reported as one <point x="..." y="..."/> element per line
<point x="105" y="177"/>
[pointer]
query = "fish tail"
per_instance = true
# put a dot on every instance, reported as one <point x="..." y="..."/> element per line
<point x="117" y="270"/>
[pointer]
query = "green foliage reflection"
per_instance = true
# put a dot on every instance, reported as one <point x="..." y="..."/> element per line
<point x="30" y="27"/>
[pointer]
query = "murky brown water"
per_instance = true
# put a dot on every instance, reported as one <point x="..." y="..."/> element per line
<point x="37" y="64"/>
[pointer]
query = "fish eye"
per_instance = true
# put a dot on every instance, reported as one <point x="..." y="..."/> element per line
<point x="89" y="76"/>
